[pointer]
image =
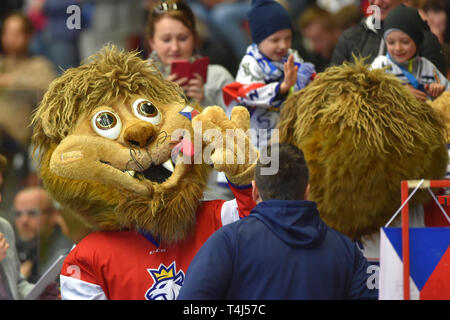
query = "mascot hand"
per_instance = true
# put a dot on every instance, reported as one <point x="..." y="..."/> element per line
<point x="227" y="145"/>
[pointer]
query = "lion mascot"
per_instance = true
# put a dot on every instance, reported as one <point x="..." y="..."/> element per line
<point x="363" y="132"/>
<point x="116" y="145"/>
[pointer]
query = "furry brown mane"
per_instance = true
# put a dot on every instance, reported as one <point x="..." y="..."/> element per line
<point x="362" y="133"/>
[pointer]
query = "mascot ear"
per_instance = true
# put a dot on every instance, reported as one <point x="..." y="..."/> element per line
<point x="57" y="112"/>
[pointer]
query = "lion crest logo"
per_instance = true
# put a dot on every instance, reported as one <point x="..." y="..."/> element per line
<point x="167" y="283"/>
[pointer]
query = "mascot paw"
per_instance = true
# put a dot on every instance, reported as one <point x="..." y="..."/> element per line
<point x="227" y="146"/>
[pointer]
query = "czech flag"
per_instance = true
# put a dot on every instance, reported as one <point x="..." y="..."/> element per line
<point x="189" y="112"/>
<point x="429" y="264"/>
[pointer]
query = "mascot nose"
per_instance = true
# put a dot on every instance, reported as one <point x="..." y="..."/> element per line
<point x="139" y="134"/>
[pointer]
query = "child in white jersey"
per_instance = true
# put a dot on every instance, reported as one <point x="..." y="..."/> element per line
<point x="403" y="33"/>
<point x="270" y="69"/>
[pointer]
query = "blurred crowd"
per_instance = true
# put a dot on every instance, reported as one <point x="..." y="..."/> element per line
<point x="42" y="38"/>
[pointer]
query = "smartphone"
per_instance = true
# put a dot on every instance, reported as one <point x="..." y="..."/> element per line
<point x="184" y="68"/>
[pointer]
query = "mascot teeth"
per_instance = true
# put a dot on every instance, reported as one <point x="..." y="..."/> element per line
<point x="168" y="165"/>
<point x="131" y="172"/>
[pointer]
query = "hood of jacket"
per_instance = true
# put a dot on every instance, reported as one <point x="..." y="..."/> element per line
<point x="297" y="223"/>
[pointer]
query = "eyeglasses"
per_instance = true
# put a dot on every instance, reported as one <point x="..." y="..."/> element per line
<point x="31" y="212"/>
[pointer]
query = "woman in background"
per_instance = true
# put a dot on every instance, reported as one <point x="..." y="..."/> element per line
<point x="172" y="36"/>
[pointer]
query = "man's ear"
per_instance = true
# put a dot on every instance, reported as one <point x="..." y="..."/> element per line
<point x="306" y="194"/>
<point x="255" y="193"/>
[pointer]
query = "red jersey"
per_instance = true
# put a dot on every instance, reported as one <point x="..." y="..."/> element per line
<point x="132" y="265"/>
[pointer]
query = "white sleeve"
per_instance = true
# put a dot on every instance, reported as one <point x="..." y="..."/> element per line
<point x="379" y="63"/>
<point x="76" y="289"/>
<point x="249" y="71"/>
<point x="229" y="212"/>
<point x="263" y="96"/>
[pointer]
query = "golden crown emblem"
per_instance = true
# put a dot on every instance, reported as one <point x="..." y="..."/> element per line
<point x="164" y="274"/>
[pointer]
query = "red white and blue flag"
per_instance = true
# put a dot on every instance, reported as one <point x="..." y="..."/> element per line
<point x="429" y="264"/>
<point x="189" y="112"/>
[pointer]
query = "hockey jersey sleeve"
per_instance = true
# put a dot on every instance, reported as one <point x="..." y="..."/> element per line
<point x="239" y="207"/>
<point x="78" y="280"/>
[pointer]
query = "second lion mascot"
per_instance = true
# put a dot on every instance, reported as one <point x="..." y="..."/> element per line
<point x="115" y="139"/>
<point x="362" y="133"/>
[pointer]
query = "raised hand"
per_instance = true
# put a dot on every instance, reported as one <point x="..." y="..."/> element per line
<point x="290" y="75"/>
<point x="227" y="146"/>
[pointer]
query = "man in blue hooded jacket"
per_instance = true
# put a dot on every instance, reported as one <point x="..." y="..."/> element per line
<point x="282" y="250"/>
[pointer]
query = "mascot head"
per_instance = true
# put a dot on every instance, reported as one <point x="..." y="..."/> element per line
<point x="362" y="132"/>
<point x="105" y="136"/>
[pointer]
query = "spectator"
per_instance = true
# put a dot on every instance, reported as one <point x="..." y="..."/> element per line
<point x="17" y="68"/>
<point x="418" y="4"/>
<point x="366" y="39"/>
<point x="318" y="28"/>
<point x="40" y="240"/>
<point x="282" y="250"/>
<point x="436" y="17"/>
<point x="13" y="285"/>
<point x="23" y="80"/>
<point x="270" y="69"/>
<point x="403" y="34"/>
<point x="347" y="17"/>
<point x="172" y="36"/>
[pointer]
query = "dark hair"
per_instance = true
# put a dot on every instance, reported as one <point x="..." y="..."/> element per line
<point x="348" y="16"/>
<point x="26" y="22"/>
<point x="177" y="10"/>
<point x="434" y="5"/>
<point x="315" y="14"/>
<point x="291" y="180"/>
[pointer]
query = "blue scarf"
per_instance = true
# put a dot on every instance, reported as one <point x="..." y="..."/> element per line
<point x="411" y="79"/>
<point x="274" y="70"/>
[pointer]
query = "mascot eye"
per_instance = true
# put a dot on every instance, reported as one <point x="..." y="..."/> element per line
<point x="107" y="124"/>
<point x="145" y="110"/>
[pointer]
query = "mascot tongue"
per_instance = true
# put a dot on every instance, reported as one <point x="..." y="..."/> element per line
<point x="185" y="146"/>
